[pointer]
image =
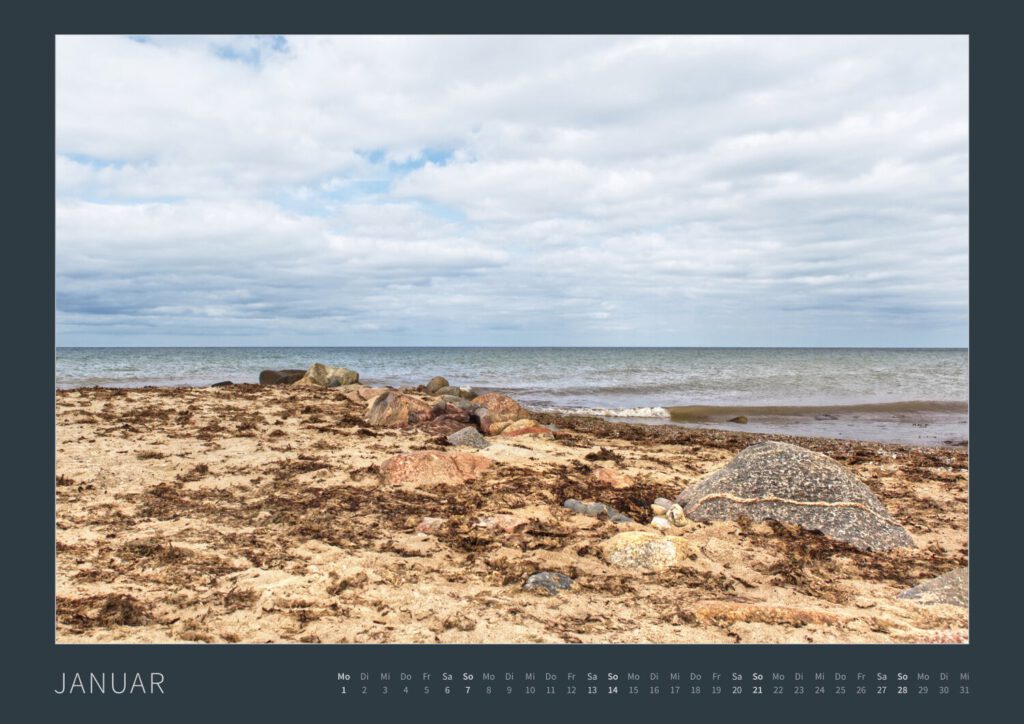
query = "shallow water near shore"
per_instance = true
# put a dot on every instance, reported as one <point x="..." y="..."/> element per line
<point x="914" y="396"/>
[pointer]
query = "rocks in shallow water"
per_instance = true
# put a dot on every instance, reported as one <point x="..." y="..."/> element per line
<point x="790" y="484"/>
<point x="644" y="550"/>
<point x="597" y="510"/>
<point x="281" y="377"/>
<point x="393" y="409"/>
<point x="320" y="375"/>
<point x="548" y="582"/>
<point x="613" y="478"/>
<point x="741" y="419"/>
<point x="950" y="588"/>
<point x="436" y="384"/>
<point x="465" y="393"/>
<point x="497" y="408"/>
<point x="468" y="436"/>
<point x="426" y="468"/>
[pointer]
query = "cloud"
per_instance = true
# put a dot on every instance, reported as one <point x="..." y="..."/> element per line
<point x="703" y="190"/>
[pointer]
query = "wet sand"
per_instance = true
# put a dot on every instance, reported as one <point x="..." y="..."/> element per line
<point x="259" y="514"/>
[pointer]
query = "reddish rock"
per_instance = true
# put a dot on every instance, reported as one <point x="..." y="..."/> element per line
<point x="525" y="427"/>
<point x="430" y="526"/>
<point x="445" y="425"/>
<point x="499" y="408"/>
<point x="614" y="478"/>
<point x="393" y="409"/>
<point x="430" y="467"/>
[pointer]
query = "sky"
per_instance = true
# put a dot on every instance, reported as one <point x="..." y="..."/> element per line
<point x="512" y="191"/>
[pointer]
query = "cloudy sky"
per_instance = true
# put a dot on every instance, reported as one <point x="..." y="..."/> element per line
<point x="676" y="191"/>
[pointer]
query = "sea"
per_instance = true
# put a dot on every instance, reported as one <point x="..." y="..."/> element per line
<point x="911" y="396"/>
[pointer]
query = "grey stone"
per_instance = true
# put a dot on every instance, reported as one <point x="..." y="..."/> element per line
<point x="436" y="384"/>
<point x="548" y="581"/>
<point x="950" y="588"/>
<point x="468" y="436"/>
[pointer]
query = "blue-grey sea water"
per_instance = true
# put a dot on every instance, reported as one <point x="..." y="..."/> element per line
<point x="899" y="395"/>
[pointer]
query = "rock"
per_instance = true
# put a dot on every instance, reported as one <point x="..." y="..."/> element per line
<point x="436" y="384"/>
<point x="613" y="478"/>
<point x="676" y="516"/>
<point x="503" y="521"/>
<point x="468" y="436"/>
<point x="465" y="393"/>
<point x="459" y="402"/>
<point x="549" y="582"/>
<point x="430" y="526"/>
<point x="658" y="509"/>
<point x="525" y="427"/>
<point x="950" y="588"/>
<point x="320" y="375"/>
<point x="443" y="426"/>
<point x="429" y="467"/>
<point x="597" y="510"/>
<point x="281" y="377"/>
<point x="660" y="523"/>
<point x="498" y="408"/>
<point x="641" y="549"/>
<point x="664" y="503"/>
<point x="226" y="383"/>
<point x="790" y="484"/>
<point x="731" y="612"/>
<point x="393" y="409"/>
<point x="741" y="419"/>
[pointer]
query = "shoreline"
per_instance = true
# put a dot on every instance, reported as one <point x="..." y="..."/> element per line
<point x="249" y="513"/>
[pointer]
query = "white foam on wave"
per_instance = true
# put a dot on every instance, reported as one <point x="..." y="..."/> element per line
<point x="651" y="412"/>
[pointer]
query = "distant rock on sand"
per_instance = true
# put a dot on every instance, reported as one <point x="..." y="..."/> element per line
<point x="950" y="588"/>
<point x="320" y="375"/>
<point x="393" y="409"/>
<point x="790" y="484"/>
<point x="494" y="409"/>
<point x="281" y="377"/>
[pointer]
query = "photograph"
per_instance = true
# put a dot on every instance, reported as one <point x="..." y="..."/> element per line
<point x="511" y="339"/>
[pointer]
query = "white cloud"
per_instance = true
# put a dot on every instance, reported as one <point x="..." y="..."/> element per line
<point x="529" y="190"/>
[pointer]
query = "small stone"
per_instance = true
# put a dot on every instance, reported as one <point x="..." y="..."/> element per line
<point x="676" y="515"/>
<point x="613" y="478"/>
<point x="663" y="502"/>
<point x="430" y="525"/>
<point x="659" y="509"/>
<point x="660" y="523"/>
<point x="504" y="521"/>
<point x="468" y="436"/>
<point x="549" y="582"/>
<point x="643" y="550"/>
<point x="597" y="510"/>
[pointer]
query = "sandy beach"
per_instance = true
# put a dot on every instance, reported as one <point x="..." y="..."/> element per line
<point x="250" y="513"/>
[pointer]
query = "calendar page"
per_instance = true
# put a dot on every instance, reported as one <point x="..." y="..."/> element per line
<point x="609" y="370"/>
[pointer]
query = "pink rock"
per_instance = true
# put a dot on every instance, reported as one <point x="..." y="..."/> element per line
<point x="504" y="521"/>
<point x="499" y="409"/>
<point x="430" y="467"/>
<point x="525" y="427"/>
<point x="393" y="409"/>
<point x="614" y="478"/>
<point x="430" y="526"/>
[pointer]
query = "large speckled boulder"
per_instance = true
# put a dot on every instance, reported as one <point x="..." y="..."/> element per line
<point x="790" y="484"/>
<point x="427" y="468"/>
<point x="319" y="375"/>
<point x="949" y="588"/>
<point x="645" y="550"/>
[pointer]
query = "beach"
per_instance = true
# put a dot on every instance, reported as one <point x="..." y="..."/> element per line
<point x="271" y="513"/>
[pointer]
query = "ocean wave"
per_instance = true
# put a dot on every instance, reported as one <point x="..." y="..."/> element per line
<point x="651" y="412"/>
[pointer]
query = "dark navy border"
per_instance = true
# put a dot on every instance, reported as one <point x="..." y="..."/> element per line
<point x="263" y="682"/>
